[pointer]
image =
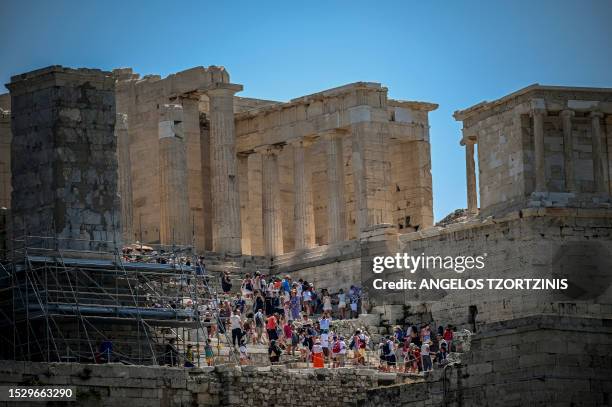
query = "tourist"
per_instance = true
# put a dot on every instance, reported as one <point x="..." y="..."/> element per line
<point x="189" y="356"/>
<point x="318" y="360"/>
<point x="294" y="304"/>
<point x="286" y="284"/>
<point x="325" y="345"/>
<point x="303" y="345"/>
<point x="442" y="355"/>
<point x="448" y="337"/>
<point x="260" y="321"/>
<point x="425" y="333"/>
<point x="239" y="303"/>
<point x="208" y="352"/>
<point x="324" y="323"/>
<point x="426" y="357"/>
<point x="306" y="298"/>
<point x="236" y="327"/>
<point x="295" y="340"/>
<point x="274" y="352"/>
<point x="389" y="351"/>
<point x="226" y="282"/>
<point x="341" y="357"/>
<point x="247" y="286"/>
<point x="354" y="298"/>
<point x="342" y="304"/>
<point x="327" y="303"/>
<point x="398" y="333"/>
<point x="248" y="328"/>
<point x="271" y="324"/>
<point x="244" y="355"/>
<point x="259" y="302"/>
<point x="288" y="336"/>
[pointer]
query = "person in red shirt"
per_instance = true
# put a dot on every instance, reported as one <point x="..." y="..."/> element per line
<point x="271" y="328"/>
<point x="448" y="337"/>
<point x="288" y="333"/>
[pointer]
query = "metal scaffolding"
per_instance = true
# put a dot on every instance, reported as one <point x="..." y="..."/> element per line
<point x="127" y="305"/>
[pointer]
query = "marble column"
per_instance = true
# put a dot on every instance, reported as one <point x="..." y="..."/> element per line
<point x="125" y="177"/>
<point x="568" y="150"/>
<point x="359" y="178"/>
<point x="303" y="213"/>
<point x="598" y="171"/>
<point x="538" y="111"/>
<point x="271" y="202"/>
<point x="243" y="181"/>
<point x="226" y="225"/>
<point x="175" y="222"/>
<point x="336" y="212"/>
<point x="470" y="169"/>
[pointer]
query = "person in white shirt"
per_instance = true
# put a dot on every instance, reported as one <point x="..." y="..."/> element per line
<point x="342" y="303"/>
<point x="236" y="327"/>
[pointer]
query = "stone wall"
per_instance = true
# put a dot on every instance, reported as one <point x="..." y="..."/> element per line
<point x="113" y="384"/>
<point x="333" y="267"/>
<point x="64" y="162"/>
<point x="547" y="361"/>
<point x="551" y="243"/>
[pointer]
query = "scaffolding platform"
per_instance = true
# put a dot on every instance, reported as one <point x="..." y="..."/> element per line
<point x="62" y="305"/>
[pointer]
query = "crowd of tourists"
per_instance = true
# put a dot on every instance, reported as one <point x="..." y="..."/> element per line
<point x="293" y="318"/>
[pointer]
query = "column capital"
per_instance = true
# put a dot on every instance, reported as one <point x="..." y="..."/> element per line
<point x="223" y="89"/>
<point x="332" y="134"/>
<point x="269" y="149"/>
<point x="537" y="106"/>
<point x="596" y="114"/>
<point x="305" y="141"/>
<point x="567" y="113"/>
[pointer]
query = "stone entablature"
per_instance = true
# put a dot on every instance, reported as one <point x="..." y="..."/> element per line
<point x="538" y="141"/>
<point x="337" y="108"/>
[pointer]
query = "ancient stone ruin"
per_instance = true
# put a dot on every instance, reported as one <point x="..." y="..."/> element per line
<point x="314" y="188"/>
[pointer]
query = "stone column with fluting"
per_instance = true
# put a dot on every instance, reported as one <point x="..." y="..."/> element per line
<point x="538" y="111"/>
<point x="568" y="150"/>
<point x="336" y="210"/>
<point x="271" y="201"/>
<point x="303" y="210"/>
<point x="175" y="222"/>
<point x="359" y="179"/>
<point x="226" y="225"/>
<point x="243" y="182"/>
<point x="125" y="177"/>
<point x="598" y="171"/>
<point x="470" y="169"/>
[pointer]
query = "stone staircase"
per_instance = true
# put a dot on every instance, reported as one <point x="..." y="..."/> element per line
<point x="317" y="255"/>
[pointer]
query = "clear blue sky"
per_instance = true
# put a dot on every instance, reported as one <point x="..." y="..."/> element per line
<point x="454" y="53"/>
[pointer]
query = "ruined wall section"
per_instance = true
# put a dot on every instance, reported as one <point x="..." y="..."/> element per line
<point x="64" y="162"/>
<point x="553" y="243"/>
<point x="116" y="384"/>
<point x="518" y="363"/>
